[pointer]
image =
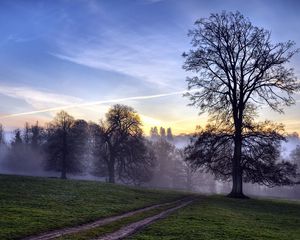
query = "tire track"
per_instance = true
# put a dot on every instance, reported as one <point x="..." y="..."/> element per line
<point x="101" y="222"/>
<point x="134" y="227"/>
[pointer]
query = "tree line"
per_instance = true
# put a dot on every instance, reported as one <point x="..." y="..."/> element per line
<point x="115" y="149"/>
<point x="116" y="145"/>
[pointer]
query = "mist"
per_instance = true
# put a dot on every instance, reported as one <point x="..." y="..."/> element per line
<point x="172" y="172"/>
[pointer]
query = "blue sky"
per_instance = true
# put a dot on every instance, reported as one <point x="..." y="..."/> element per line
<point x="59" y="53"/>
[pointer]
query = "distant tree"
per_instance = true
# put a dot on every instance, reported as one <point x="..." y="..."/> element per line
<point x="154" y="135"/>
<point x="65" y="143"/>
<point x="169" y="135"/>
<point x="293" y="135"/>
<point x="178" y="171"/>
<point x="213" y="148"/>
<point x="237" y="66"/>
<point x="33" y="136"/>
<point x="2" y="135"/>
<point x="162" y="132"/>
<point x="188" y="171"/>
<point x="17" y="140"/>
<point x="165" y="154"/>
<point x="15" y="156"/>
<point x="26" y="133"/>
<point x="37" y="138"/>
<point x="121" y="125"/>
<point x="3" y="147"/>
<point x="24" y="154"/>
<point x="137" y="161"/>
<point x="98" y="150"/>
<point x="295" y="156"/>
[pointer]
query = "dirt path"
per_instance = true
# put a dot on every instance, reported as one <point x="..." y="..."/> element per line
<point x="134" y="227"/>
<point x="101" y="222"/>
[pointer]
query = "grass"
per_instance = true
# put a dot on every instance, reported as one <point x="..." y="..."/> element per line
<point x="109" y="228"/>
<point x="31" y="205"/>
<point x="220" y="218"/>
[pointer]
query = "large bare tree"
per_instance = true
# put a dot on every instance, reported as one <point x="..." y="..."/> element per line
<point x="237" y="68"/>
<point x="261" y="162"/>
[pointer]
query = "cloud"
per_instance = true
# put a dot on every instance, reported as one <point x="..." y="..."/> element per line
<point x="79" y="108"/>
<point x="152" y="58"/>
<point x="60" y="98"/>
<point x="38" y="98"/>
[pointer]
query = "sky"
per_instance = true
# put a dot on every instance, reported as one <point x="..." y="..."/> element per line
<point x="86" y="55"/>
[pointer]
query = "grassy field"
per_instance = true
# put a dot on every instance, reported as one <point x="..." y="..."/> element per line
<point x="30" y="205"/>
<point x="97" y="232"/>
<point x="220" y="218"/>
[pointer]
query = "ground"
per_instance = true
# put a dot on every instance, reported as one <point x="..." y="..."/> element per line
<point x="220" y="218"/>
<point x="30" y="205"/>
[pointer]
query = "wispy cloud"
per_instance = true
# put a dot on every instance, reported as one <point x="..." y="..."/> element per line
<point x="87" y="104"/>
<point x="152" y="58"/>
<point x="38" y="98"/>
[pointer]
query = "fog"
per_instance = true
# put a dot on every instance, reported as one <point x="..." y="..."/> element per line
<point x="171" y="174"/>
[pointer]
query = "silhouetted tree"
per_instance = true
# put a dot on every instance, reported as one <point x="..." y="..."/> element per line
<point x="17" y="140"/>
<point x="154" y="134"/>
<point x="187" y="169"/>
<point x="15" y="157"/>
<point x="212" y="149"/>
<point x="165" y="154"/>
<point x="2" y="135"/>
<point x="121" y="124"/>
<point x="137" y="161"/>
<point x="169" y="135"/>
<point x="99" y="151"/>
<point x="237" y="66"/>
<point x="37" y="137"/>
<point x="26" y="133"/>
<point x="25" y="154"/>
<point x="65" y="141"/>
<point x="162" y="132"/>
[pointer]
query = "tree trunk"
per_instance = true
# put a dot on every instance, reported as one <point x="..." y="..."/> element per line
<point x="64" y="158"/>
<point x="111" y="171"/>
<point x="237" y="172"/>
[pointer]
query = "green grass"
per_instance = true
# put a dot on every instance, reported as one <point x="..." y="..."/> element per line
<point x="31" y="205"/>
<point x="220" y="218"/>
<point x="109" y="228"/>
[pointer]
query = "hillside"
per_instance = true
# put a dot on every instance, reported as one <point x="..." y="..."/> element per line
<point x="220" y="218"/>
<point x="30" y="205"/>
<point x="84" y="210"/>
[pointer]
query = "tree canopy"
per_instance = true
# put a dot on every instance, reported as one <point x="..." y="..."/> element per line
<point x="237" y="68"/>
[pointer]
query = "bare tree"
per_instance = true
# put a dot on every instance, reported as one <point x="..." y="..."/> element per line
<point x="137" y="161"/>
<point x="212" y="150"/>
<point x="238" y="68"/>
<point x="120" y="125"/>
<point x="66" y="139"/>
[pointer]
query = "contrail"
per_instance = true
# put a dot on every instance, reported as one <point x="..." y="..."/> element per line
<point x="96" y="103"/>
